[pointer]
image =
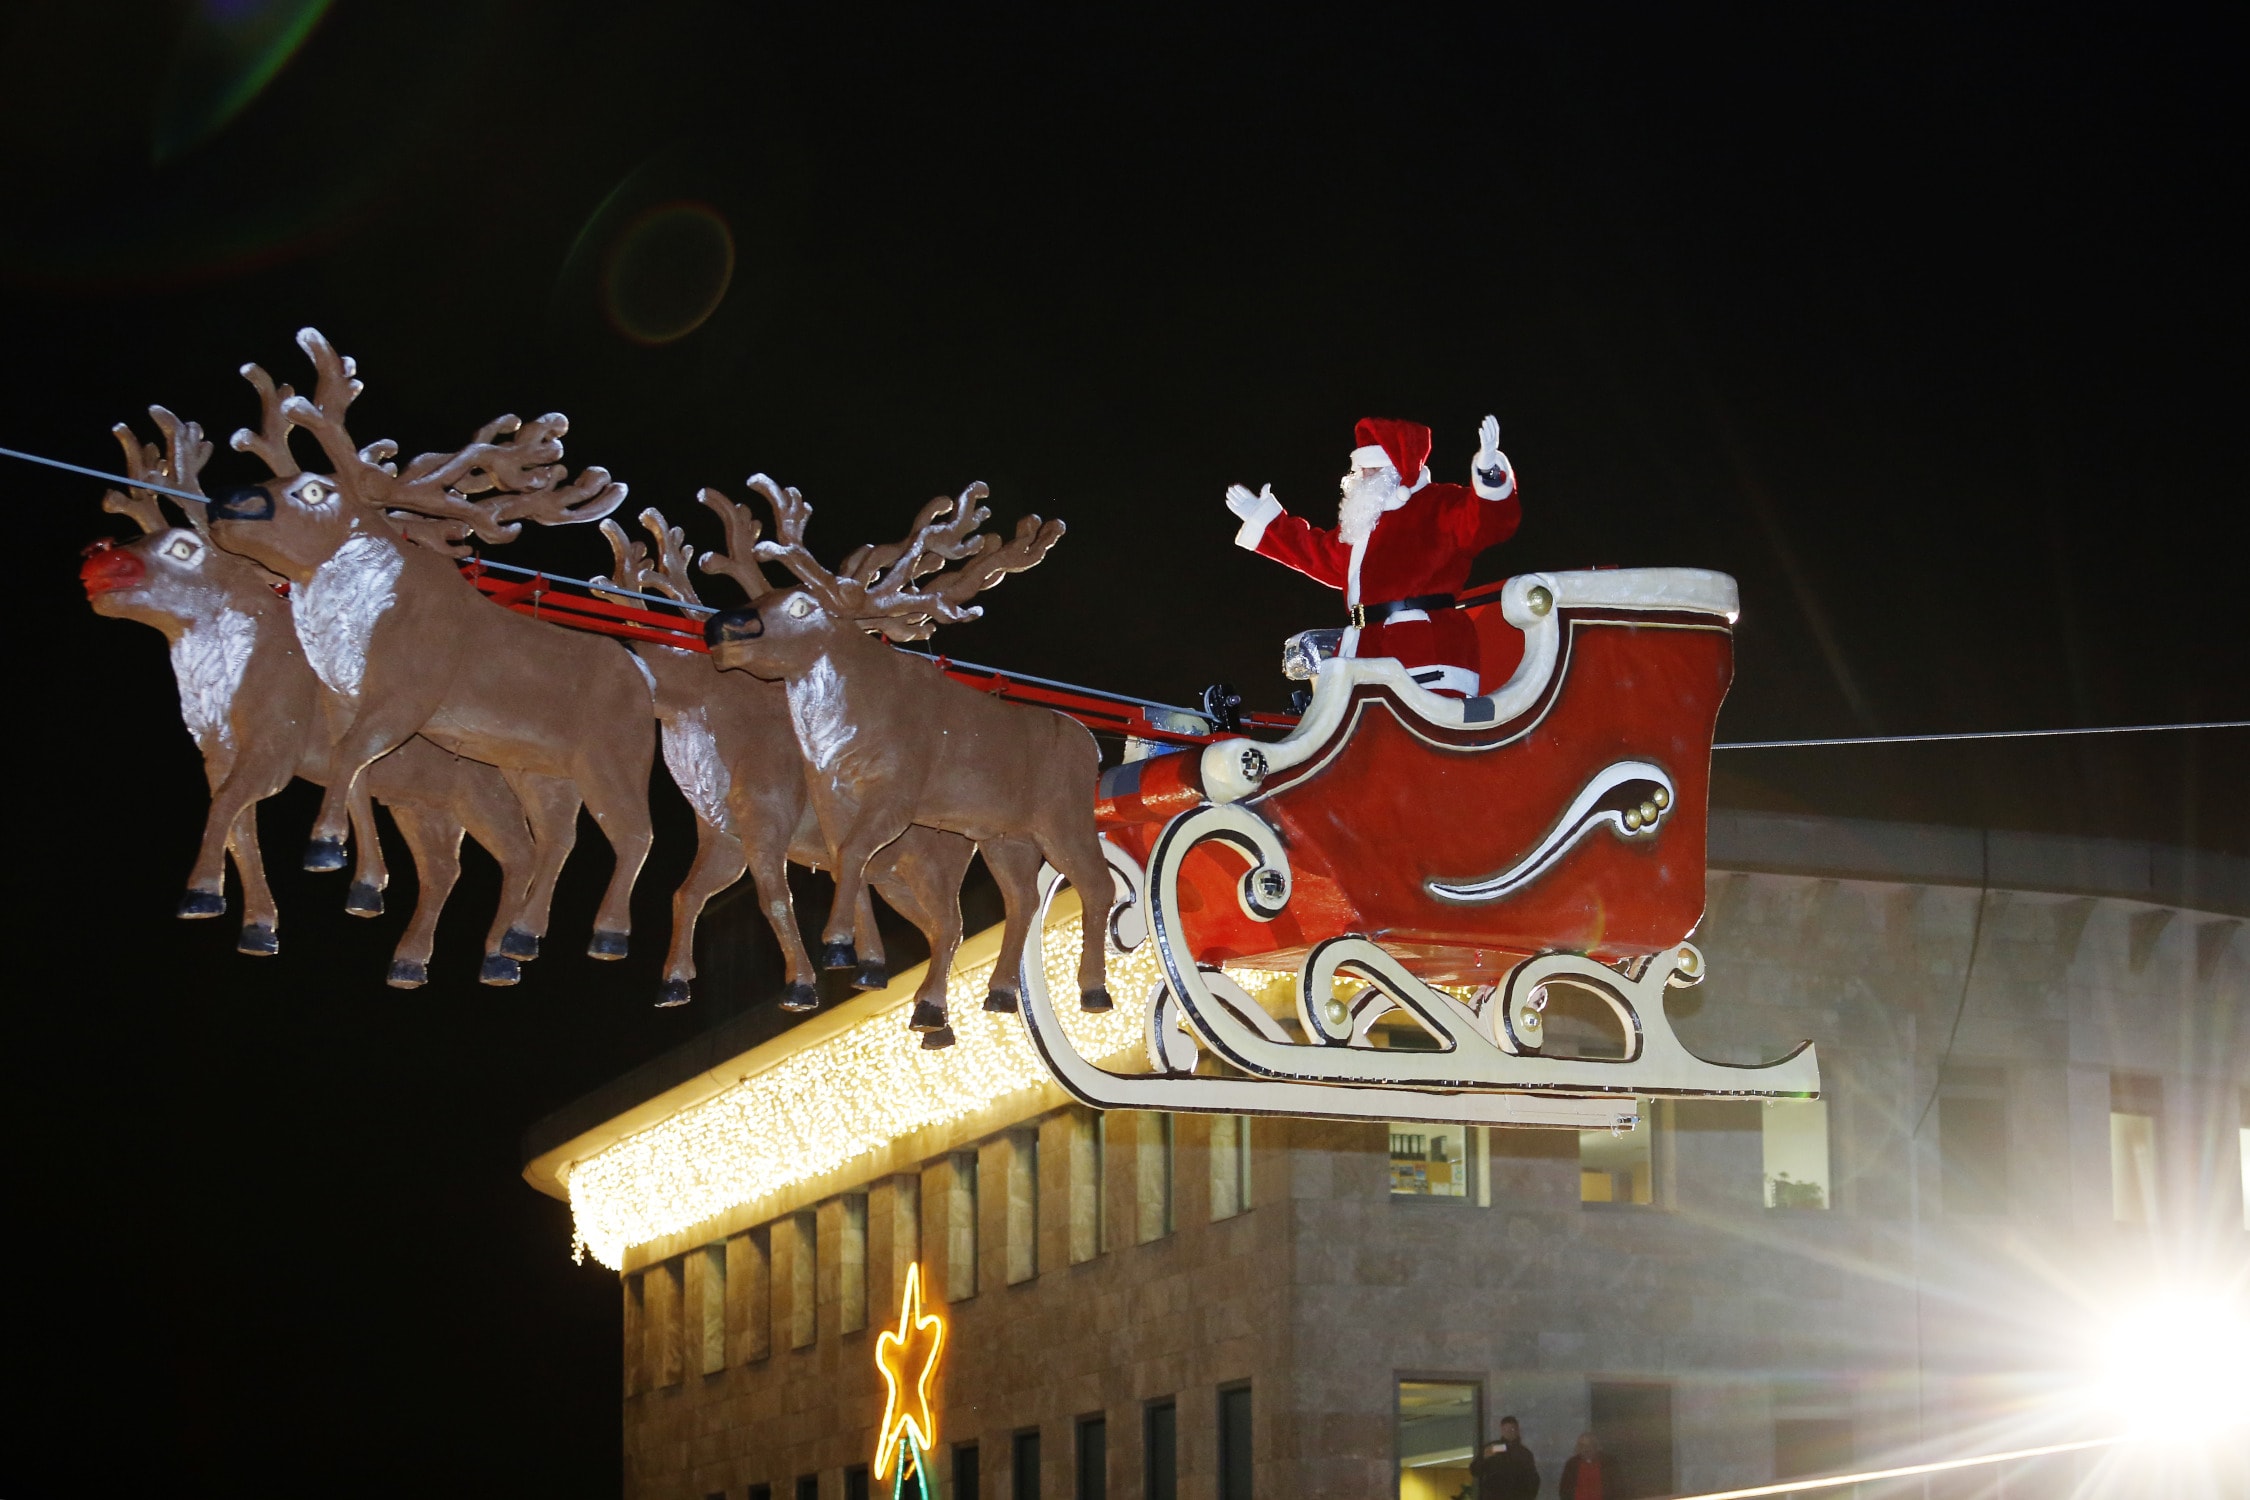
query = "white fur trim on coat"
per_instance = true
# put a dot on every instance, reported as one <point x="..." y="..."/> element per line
<point x="1254" y="525"/>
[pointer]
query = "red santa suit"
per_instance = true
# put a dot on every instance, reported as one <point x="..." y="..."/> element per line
<point x="1418" y="555"/>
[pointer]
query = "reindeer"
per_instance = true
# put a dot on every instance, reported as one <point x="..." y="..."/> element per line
<point x="412" y="647"/>
<point x="729" y="747"/>
<point x="259" y="716"/>
<point x="892" y="742"/>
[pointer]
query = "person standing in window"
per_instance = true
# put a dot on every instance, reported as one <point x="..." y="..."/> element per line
<point x="1506" y="1470"/>
<point x="1582" y="1471"/>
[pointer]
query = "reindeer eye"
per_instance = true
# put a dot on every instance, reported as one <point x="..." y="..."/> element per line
<point x="313" y="493"/>
<point x="798" y="607"/>
<point x="180" y="548"/>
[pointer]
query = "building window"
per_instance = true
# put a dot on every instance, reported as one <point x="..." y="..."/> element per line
<point x="1796" y="1132"/>
<point x="1023" y="1481"/>
<point x="1234" y="1443"/>
<point x="2134" y="1105"/>
<point x="1160" y="1451"/>
<point x="1168" y="1168"/>
<point x="808" y="1487"/>
<point x="1618" y="1166"/>
<point x="1023" y="1206"/>
<point x="855" y="1482"/>
<point x="1633" y="1423"/>
<point x="1438" y="1423"/>
<point x="804" y="1263"/>
<point x="1804" y="1447"/>
<point x="761" y="1492"/>
<point x="851" y="1265"/>
<point x="1973" y="1140"/>
<point x="2242" y="1146"/>
<point x="1101" y="1181"/>
<point x="961" y="1229"/>
<point x="1093" y="1458"/>
<point x="1429" y="1161"/>
<point x="968" y="1477"/>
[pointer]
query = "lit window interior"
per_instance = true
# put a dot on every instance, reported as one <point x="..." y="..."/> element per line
<point x="1437" y="1434"/>
<point x="1429" y="1161"/>
<point x="1615" y="1167"/>
<point x="1796" y="1139"/>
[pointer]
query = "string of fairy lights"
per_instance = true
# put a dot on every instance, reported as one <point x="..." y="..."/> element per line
<point x="819" y="1108"/>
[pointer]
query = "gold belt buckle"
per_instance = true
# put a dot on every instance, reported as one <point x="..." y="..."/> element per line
<point x="1359" y="617"/>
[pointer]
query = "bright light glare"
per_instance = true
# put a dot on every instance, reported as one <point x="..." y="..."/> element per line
<point x="2179" y="1364"/>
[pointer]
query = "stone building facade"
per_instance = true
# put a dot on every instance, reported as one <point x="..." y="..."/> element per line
<point x="2034" y="1059"/>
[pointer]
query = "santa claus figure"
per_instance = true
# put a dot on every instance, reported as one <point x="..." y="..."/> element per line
<point x="1400" y="549"/>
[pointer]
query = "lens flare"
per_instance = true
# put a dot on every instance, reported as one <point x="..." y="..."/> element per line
<point x="2180" y="1363"/>
<point x="229" y="50"/>
<point x="668" y="272"/>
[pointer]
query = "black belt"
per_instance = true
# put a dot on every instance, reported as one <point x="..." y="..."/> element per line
<point x="1364" y="615"/>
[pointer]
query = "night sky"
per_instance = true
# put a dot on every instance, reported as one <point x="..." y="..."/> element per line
<point x="1924" y="329"/>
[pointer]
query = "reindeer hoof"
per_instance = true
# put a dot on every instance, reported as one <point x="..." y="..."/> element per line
<point x="258" y="940"/>
<point x="406" y="974"/>
<point x="498" y="968"/>
<point x="800" y="997"/>
<point x="203" y="904"/>
<point x="675" y="992"/>
<point x="1095" y="1002"/>
<point x="517" y="943"/>
<point x="873" y="975"/>
<point x="324" y="854"/>
<point x="365" y="899"/>
<point x="933" y="1041"/>
<point x="1002" y="1003"/>
<point x="839" y="956"/>
<point x="927" y="1017"/>
<point x="608" y="945"/>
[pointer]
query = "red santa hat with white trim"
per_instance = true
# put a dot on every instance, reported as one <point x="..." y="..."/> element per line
<point x="1404" y="446"/>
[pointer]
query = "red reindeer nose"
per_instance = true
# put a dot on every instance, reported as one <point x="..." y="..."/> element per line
<point x="108" y="567"/>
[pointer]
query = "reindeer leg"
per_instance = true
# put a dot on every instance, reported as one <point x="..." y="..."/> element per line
<point x="551" y="804"/>
<point x="371" y="877"/>
<point x="1014" y="864"/>
<point x="1077" y="852"/>
<point x="920" y="874"/>
<point x="719" y="862"/>
<point x="614" y="781"/>
<point x="385" y="722"/>
<point x="249" y="781"/>
<point x="261" y="920"/>
<point x="874" y="970"/>
<point x="869" y="829"/>
<point x="434" y="839"/>
<point x="493" y="815"/>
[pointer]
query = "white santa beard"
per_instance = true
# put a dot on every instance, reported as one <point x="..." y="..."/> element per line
<point x="1367" y="495"/>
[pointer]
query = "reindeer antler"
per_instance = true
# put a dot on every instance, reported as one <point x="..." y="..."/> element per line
<point x="668" y="575"/>
<point x="178" y="465"/>
<point x="739" y="561"/>
<point x="270" y="443"/>
<point x="878" y="588"/>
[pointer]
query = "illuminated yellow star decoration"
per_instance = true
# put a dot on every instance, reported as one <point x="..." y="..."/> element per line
<point x="907" y="1356"/>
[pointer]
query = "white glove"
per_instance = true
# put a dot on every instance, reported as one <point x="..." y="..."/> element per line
<point x="1488" y="444"/>
<point x="1491" y="466"/>
<point x="1245" y="504"/>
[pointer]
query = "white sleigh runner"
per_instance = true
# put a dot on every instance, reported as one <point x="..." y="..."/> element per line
<point x="1466" y="954"/>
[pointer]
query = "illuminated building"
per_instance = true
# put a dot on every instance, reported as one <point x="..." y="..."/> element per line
<point x="2009" y="1152"/>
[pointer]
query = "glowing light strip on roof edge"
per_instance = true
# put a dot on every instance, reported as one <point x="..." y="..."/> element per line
<point x="820" y="1108"/>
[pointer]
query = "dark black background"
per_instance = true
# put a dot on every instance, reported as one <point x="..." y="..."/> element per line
<point x="1929" y="329"/>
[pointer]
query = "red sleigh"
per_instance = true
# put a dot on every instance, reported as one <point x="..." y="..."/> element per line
<point x="1457" y="857"/>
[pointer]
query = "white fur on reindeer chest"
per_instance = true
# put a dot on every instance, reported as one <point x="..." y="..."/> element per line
<point x="337" y="611"/>
<point x="691" y="753"/>
<point x="819" y="713"/>
<point x="208" y="661"/>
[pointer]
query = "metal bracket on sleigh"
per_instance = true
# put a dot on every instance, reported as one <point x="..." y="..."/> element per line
<point x="1214" y="1049"/>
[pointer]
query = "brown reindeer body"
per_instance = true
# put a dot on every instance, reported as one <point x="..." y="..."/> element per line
<point x="892" y="743"/>
<point x="391" y="626"/>
<point x="732" y="752"/>
<point x="260" y="717"/>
